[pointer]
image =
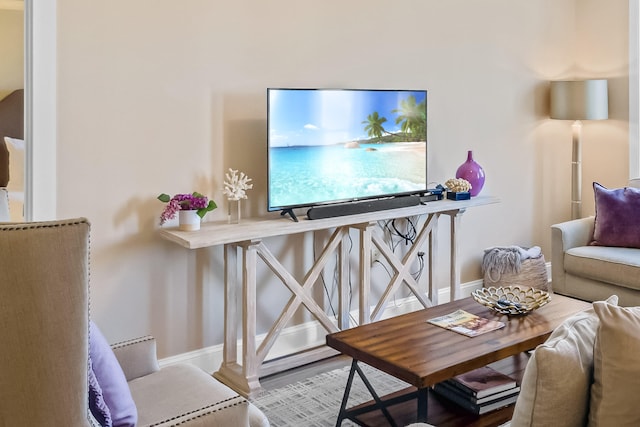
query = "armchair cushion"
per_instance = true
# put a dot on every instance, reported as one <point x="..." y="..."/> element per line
<point x="617" y="222"/>
<point x="615" y="389"/>
<point x="111" y="379"/>
<point x="183" y="394"/>
<point x="605" y="264"/>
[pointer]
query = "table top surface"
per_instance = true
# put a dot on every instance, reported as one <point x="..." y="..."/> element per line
<point x="219" y="233"/>
<point x="422" y="354"/>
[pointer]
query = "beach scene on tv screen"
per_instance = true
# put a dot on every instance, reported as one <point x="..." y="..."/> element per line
<point x="339" y="145"/>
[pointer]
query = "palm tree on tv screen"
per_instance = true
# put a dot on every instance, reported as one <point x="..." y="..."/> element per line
<point x="411" y="117"/>
<point x="374" y="126"/>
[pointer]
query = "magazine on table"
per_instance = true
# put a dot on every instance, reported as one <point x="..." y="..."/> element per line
<point x="465" y="323"/>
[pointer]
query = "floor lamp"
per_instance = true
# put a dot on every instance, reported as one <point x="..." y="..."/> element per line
<point x="578" y="100"/>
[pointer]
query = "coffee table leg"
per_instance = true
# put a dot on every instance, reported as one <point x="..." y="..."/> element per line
<point x="344" y="413"/>
<point x="379" y="404"/>
<point x="423" y="394"/>
<point x="345" y="397"/>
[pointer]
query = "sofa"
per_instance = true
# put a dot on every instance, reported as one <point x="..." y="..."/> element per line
<point x="56" y="367"/>
<point x="595" y="257"/>
<point x="586" y="373"/>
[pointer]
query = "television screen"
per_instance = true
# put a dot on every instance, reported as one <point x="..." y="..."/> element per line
<point x="338" y="145"/>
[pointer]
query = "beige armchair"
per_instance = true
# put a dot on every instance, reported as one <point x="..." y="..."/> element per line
<point x="593" y="273"/>
<point x="44" y="330"/>
<point x="44" y="324"/>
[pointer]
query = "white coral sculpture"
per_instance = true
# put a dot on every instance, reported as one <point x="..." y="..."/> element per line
<point x="458" y="185"/>
<point x="236" y="186"/>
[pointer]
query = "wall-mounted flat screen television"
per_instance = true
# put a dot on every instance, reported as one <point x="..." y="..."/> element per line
<point x="341" y="145"/>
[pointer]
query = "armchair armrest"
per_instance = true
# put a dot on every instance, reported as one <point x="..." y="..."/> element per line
<point x="137" y="357"/>
<point x="564" y="236"/>
<point x="571" y="234"/>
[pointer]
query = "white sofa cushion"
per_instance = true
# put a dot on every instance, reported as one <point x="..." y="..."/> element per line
<point x="557" y="379"/>
<point x="615" y="390"/>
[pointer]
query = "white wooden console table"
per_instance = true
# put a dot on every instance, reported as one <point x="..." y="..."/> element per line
<point x="246" y="239"/>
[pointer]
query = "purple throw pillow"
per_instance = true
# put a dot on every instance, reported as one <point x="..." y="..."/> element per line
<point x="111" y="379"/>
<point x="97" y="405"/>
<point x="617" y="220"/>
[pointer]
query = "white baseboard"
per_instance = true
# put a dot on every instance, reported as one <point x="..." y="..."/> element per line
<point x="310" y="334"/>
<point x="300" y="337"/>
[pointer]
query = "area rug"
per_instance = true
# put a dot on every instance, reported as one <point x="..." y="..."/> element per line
<point x="315" y="401"/>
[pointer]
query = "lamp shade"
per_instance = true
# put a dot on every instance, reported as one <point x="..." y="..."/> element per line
<point x="579" y="100"/>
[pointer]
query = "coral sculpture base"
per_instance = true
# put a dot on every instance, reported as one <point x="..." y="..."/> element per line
<point x="461" y="195"/>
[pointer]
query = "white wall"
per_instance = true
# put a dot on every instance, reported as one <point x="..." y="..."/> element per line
<point x="11" y="51"/>
<point x="164" y="96"/>
<point x="603" y="53"/>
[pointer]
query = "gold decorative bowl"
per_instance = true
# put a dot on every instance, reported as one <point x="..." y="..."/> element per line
<point x="512" y="300"/>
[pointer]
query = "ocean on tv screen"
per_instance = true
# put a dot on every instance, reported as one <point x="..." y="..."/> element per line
<point x="313" y="174"/>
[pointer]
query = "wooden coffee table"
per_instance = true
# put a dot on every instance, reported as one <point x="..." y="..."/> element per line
<point x="422" y="354"/>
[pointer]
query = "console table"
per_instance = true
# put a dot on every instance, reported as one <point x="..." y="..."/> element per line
<point x="244" y="244"/>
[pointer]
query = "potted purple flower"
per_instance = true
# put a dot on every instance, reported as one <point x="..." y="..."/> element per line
<point x="190" y="207"/>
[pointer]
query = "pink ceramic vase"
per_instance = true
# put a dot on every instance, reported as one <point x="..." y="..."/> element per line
<point x="472" y="172"/>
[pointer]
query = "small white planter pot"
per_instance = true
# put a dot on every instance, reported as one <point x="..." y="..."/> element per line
<point x="188" y="220"/>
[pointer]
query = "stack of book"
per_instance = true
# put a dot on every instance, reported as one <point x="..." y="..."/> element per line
<point x="480" y="391"/>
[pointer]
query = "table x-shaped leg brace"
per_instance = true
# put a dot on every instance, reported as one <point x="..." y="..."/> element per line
<point x="253" y="356"/>
<point x="402" y="267"/>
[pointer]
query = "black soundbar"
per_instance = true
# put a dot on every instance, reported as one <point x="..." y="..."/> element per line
<point x="362" y="206"/>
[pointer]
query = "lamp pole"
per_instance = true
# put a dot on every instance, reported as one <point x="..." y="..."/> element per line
<point x="576" y="171"/>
